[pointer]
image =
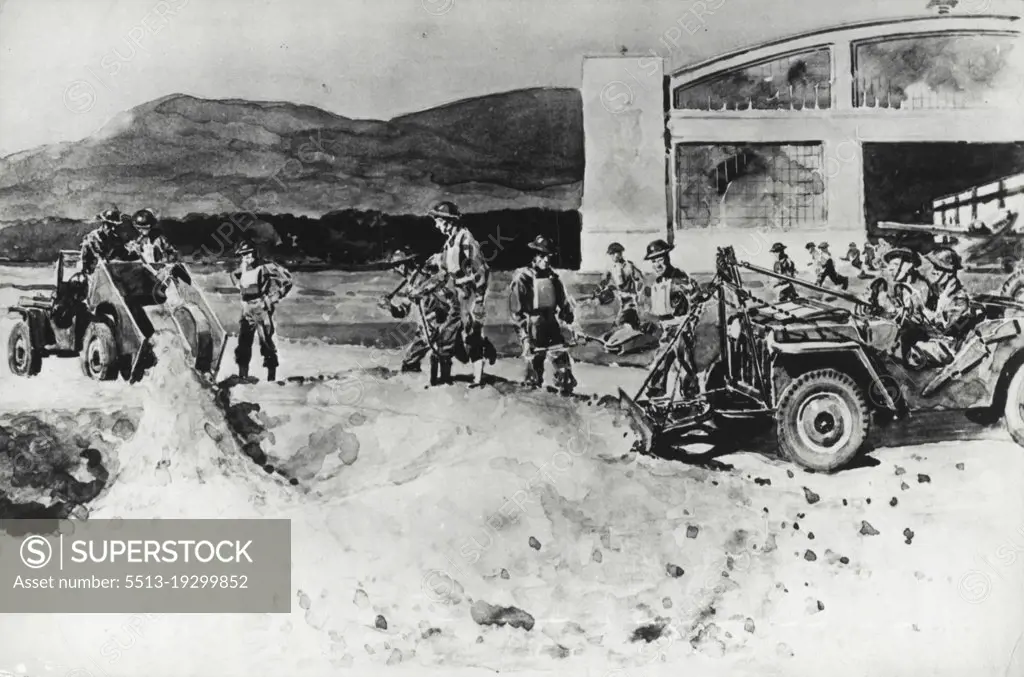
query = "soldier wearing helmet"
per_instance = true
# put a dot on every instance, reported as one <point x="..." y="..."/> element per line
<point x="262" y="285"/>
<point x="537" y="303"/>
<point x="625" y="281"/>
<point x="827" y="269"/>
<point x="151" y="245"/>
<point x="440" y="327"/>
<point x="104" y="243"/>
<point x="947" y="317"/>
<point x="784" y="266"/>
<point x="672" y="295"/>
<point x="464" y="262"/>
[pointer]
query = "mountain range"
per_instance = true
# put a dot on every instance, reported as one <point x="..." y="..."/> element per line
<point x="181" y="155"/>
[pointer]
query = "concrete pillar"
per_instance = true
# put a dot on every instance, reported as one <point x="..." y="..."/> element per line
<point x="624" y="182"/>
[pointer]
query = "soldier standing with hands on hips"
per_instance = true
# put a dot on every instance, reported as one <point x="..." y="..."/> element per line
<point x="464" y="262"/>
<point x="262" y="285"/>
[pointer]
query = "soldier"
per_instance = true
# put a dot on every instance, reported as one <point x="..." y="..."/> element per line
<point x="463" y="261"/>
<point x="672" y="294"/>
<point x="537" y="302"/>
<point x="784" y="266"/>
<point x="262" y="285"/>
<point x="947" y="319"/>
<point x="104" y="243"/>
<point x="626" y="282"/>
<point x="909" y="296"/>
<point x="869" y="257"/>
<point x="151" y="245"/>
<point x="440" y="323"/>
<point x="827" y="269"/>
<point x="853" y="258"/>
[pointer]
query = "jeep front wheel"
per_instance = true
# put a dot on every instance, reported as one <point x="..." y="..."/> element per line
<point x="23" y="357"/>
<point x="99" y="352"/>
<point x="822" y="420"/>
<point x="1013" y="410"/>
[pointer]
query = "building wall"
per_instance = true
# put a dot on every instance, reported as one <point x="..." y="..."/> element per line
<point x="624" y="182"/>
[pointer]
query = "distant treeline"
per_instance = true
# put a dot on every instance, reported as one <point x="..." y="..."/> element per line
<point x="340" y="239"/>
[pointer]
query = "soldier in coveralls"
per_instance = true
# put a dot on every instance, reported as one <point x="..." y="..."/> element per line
<point x="440" y="330"/>
<point x="671" y="297"/>
<point x="947" y="315"/>
<point x="104" y="243"/>
<point x="262" y="284"/>
<point x="463" y="261"/>
<point x="151" y="245"/>
<point x="625" y="281"/>
<point x="537" y="302"/>
<point x="784" y="266"/>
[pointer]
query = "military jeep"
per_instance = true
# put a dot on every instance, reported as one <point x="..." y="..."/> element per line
<point x="820" y="372"/>
<point x="105" y="319"/>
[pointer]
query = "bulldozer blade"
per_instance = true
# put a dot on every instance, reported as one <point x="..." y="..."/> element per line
<point x="639" y="421"/>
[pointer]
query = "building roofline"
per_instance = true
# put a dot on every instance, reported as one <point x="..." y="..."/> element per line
<point x="853" y="26"/>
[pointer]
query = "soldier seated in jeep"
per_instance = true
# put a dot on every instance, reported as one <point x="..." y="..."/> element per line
<point x="948" y="319"/>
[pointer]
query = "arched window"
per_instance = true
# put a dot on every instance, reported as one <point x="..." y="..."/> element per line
<point x="797" y="81"/>
<point x="950" y="70"/>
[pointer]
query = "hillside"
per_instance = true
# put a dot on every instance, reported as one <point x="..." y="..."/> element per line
<point x="184" y="155"/>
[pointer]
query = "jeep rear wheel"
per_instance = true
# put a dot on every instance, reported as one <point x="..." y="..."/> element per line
<point x="99" y="352"/>
<point x="822" y="420"/>
<point x="1013" y="410"/>
<point x="22" y="357"/>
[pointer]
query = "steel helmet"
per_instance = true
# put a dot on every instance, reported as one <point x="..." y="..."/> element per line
<point x="945" y="259"/>
<point x="246" y="248"/>
<point x="777" y="247"/>
<point x="543" y="245"/>
<point x="144" y="219"/>
<point x="908" y="255"/>
<point x="615" y="248"/>
<point x="810" y="246"/>
<point x="657" y="249"/>
<point x="111" y="216"/>
<point x="446" y="210"/>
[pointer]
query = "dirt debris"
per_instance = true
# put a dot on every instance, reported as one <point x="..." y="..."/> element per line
<point x="810" y="556"/>
<point x="674" y="570"/>
<point x="908" y="534"/>
<point x="534" y="543"/>
<point x="893" y="501"/>
<point x="959" y="466"/>
<point x="810" y="496"/>
<point x="649" y="631"/>
<point x="489" y="614"/>
<point x="923" y="479"/>
<point x="380" y="623"/>
<point x="867" y="530"/>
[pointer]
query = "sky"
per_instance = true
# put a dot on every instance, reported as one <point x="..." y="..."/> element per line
<point x="68" y="66"/>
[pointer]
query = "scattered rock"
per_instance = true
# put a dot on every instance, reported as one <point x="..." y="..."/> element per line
<point x="761" y="482"/>
<point x="900" y="471"/>
<point x="810" y="556"/>
<point x="504" y="574"/>
<point x="380" y="623"/>
<point x="959" y="466"/>
<point x="789" y="474"/>
<point x="770" y="545"/>
<point x="666" y="602"/>
<point x="800" y="515"/>
<point x="534" y="543"/>
<point x="810" y="535"/>
<point x="904" y="486"/>
<point x="479" y="639"/>
<point x="304" y="602"/>
<point x="748" y="625"/>
<point x="811" y="497"/>
<point x="893" y="501"/>
<point x="844" y="560"/>
<point x="909" y="535"/>
<point x="869" y="501"/>
<point x="821" y="607"/>
<point x="674" y="571"/>
<point x="649" y="632"/>
<point x="783" y="525"/>
<point x="916" y="629"/>
<point x="691" y="532"/>
<point x="922" y="478"/>
<point x="488" y="614"/>
<point x="844" y="502"/>
<point x="361" y="599"/>
<point x="796" y="526"/>
<point x="597" y="556"/>
<point x="867" y="530"/>
<point x="395" y="658"/>
<point x="430" y="632"/>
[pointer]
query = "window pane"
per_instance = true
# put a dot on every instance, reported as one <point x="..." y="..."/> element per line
<point x="793" y="82"/>
<point x="935" y="71"/>
<point x="750" y="186"/>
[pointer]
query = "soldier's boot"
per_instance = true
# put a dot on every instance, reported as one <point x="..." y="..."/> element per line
<point x="565" y="381"/>
<point x="243" y="371"/>
<point x="435" y="370"/>
<point x="446" y="371"/>
<point x="490" y="352"/>
<point x="271" y="373"/>
<point x="409" y="367"/>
